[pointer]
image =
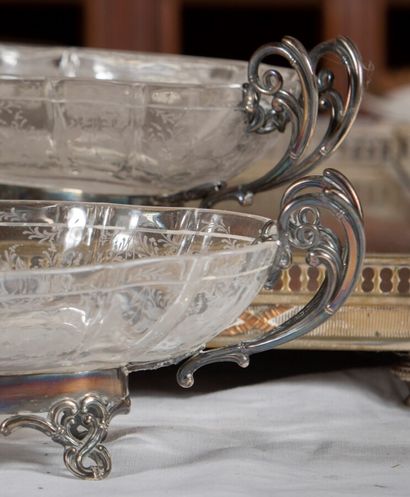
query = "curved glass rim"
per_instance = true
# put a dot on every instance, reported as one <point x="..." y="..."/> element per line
<point x="139" y="57"/>
<point x="146" y="260"/>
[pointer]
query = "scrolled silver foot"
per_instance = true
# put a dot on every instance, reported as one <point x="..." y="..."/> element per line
<point x="79" y="409"/>
<point x="300" y="227"/>
<point x="80" y="427"/>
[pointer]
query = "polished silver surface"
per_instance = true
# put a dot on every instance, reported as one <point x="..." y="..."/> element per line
<point x="317" y="94"/>
<point x="300" y="228"/>
<point x="79" y="423"/>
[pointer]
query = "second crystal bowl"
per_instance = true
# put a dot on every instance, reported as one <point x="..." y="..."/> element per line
<point x="123" y="123"/>
<point x="162" y="128"/>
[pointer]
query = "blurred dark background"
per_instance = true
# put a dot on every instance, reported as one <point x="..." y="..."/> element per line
<point x="221" y="28"/>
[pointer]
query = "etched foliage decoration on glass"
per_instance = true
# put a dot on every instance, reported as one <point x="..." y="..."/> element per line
<point x="171" y="280"/>
<point x="128" y="127"/>
<point x="120" y="123"/>
<point x="127" y="284"/>
<point x="104" y="285"/>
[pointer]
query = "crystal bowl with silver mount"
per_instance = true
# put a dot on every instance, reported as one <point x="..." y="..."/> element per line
<point x="82" y="124"/>
<point x="92" y="291"/>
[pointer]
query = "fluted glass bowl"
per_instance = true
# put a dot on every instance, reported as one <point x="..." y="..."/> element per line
<point x="87" y="286"/>
<point x="123" y="123"/>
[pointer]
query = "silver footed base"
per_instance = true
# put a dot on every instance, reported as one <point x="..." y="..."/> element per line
<point x="79" y="421"/>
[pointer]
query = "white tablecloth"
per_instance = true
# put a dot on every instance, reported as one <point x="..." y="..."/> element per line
<point x="342" y="433"/>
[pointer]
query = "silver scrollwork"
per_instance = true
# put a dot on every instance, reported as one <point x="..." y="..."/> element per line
<point x="271" y="107"/>
<point x="300" y="227"/>
<point x="80" y="426"/>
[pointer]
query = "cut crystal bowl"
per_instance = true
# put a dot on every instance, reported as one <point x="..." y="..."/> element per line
<point x="86" y="286"/>
<point x="91" y="291"/>
<point x="123" y="123"/>
<point x="94" y="124"/>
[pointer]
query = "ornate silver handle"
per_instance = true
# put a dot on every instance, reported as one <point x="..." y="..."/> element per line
<point x="271" y="107"/>
<point x="300" y="227"/>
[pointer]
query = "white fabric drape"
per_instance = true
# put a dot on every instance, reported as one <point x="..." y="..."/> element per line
<point x="343" y="433"/>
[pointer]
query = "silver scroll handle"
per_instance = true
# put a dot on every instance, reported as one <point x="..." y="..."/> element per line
<point x="270" y="106"/>
<point x="300" y="227"/>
